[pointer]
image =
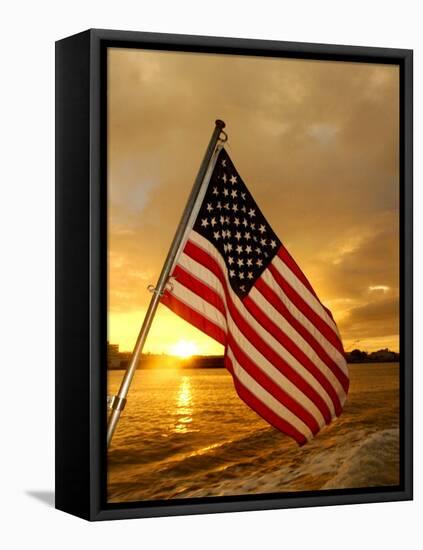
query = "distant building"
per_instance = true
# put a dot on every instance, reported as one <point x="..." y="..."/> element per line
<point x="384" y="355"/>
<point x="113" y="356"/>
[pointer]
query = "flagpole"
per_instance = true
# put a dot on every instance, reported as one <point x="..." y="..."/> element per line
<point x="118" y="401"/>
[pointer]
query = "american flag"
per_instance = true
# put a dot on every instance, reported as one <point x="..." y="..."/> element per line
<point x="235" y="281"/>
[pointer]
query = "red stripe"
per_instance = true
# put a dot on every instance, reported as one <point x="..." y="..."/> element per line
<point x="262" y="410"/>
<point x="271" y="387"/>
<point x="271" y="296"/>
<point x="198" y="287"/>
<point x="193" y="317"/>
<point x="209" y="263"/>
<point x="293" y="349"/>
<point x="306" y="310"/>
<point x="286" y="257"/>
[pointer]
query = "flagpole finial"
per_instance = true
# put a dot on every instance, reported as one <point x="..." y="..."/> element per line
<point x="220" y="124"/>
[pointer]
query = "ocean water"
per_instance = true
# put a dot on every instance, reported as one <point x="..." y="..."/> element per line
<point x="186" y="433"/>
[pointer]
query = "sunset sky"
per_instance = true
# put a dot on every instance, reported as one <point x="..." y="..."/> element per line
<point x="316" y="142"/>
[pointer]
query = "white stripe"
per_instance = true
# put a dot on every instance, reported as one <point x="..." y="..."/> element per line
<point x="262" y="395"/>
<point x="307" y="324"/>
<point x="304" y="292"/>
<point x="269" y="310"/>
<point x="195" y="302"/>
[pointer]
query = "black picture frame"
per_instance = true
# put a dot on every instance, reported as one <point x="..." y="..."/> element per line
<point x="81" y="248"/>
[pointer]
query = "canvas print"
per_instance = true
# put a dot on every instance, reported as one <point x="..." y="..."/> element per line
<point x="253" y="275"/>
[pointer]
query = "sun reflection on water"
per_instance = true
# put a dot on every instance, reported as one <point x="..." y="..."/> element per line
<point x="184" y="405"/>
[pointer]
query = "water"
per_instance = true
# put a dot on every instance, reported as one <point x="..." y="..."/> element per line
<point x="186" y="433"/>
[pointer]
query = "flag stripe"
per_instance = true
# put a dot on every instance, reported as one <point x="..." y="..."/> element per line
<point x="296" y="372"/>
<point x="286" y="257"/>
<point x="196" y="304"/>
<point x="304" y="307"/>
<point x="276" y="390"/>
<point x="195" y="284"/>
<point x="193" y="317"/>
<point x="282" y="316"/>
<point x="303" y="292"/>
<point x="293" y="349"/>
<point x="269" y="287"/>
<point x="282" y="324"/>
<point x="266" y="408"/>
<point x="200" y="278"/>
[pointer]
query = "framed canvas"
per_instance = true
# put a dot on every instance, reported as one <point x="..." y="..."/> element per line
<point x="233" y="274"/>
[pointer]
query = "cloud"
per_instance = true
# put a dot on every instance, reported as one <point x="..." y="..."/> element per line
<point x="316" y="143"/>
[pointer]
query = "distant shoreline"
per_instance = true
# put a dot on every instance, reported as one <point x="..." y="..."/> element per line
<point x="150" y="361"/>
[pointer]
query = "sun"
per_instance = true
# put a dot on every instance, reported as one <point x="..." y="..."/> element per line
<point x="184" y="349"/>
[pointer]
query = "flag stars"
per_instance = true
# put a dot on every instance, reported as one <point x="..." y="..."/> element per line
<point x="224" y="162"/>
<point x="232" y="222"/>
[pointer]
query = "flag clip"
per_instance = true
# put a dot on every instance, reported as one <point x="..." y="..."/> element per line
<point x="154" y="290"/>
<point x="223" y="139"/>
<point x="115" y="402"/>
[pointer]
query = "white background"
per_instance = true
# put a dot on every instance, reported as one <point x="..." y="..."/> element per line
<point x="28" y="32"/>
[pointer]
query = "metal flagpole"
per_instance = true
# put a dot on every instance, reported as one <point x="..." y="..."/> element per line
<point x="117" y="402"/>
